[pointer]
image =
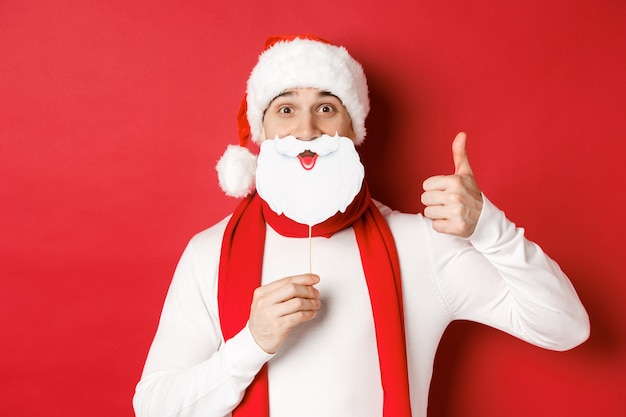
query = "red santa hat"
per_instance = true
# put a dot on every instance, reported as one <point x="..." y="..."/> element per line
<point x="295" y="61"/>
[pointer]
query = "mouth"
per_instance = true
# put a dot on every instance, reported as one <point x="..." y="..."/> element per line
<point x="307" y="159"/>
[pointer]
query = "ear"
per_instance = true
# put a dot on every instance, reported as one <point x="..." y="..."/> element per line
<point x="352" y="134"/>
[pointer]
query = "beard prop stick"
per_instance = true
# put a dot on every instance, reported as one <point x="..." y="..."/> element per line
<point x="309" y="181"/>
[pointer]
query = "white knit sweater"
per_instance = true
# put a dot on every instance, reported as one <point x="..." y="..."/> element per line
<point x="329" y="366"/>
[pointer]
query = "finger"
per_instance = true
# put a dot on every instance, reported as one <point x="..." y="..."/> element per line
<point x="459" y="155"/>
<point x="445" y="199"/>
<point x="292" y="320"/>
<point x="436" y="182"/>
<point x="297" y="304"/>
<point x="303" y="279"/>
<point x="300" y="286"/>
<point x="436" y="213"/>
<point x="442" y="226"/>
<point x="433" y="198"/>
<point x="445" y="183"/>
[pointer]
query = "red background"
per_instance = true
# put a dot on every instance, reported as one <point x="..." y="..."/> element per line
<point x="113" y="113"/>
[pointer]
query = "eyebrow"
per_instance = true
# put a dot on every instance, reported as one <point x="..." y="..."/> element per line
<point x="290" y="93"/>
<point x="329" y="94"/>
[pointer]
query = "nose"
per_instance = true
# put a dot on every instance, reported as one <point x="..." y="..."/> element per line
<point x="307" y="128"/>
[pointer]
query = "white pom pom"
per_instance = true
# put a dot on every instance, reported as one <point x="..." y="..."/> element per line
<point x="236" y="171"/>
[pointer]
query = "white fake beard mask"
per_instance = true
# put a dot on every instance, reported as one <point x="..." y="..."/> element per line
<point x="309" y="181"/>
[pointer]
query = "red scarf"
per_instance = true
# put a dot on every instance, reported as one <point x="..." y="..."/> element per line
<point x="240" y="274"/>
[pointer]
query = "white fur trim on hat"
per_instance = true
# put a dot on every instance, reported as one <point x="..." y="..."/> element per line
<point x="304" y="63"/>
<point x="236" y="171"/>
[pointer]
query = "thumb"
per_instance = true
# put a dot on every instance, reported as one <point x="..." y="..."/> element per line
<point x="459" y="155"/>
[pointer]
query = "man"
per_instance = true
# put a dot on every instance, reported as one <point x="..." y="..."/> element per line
<point x="314" y="300"/>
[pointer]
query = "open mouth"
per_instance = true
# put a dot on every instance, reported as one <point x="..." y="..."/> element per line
<point x="307" y="159"/>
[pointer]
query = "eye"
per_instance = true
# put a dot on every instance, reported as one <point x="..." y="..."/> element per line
<point x="285" y="110"/>
<point x="326" y="108"/>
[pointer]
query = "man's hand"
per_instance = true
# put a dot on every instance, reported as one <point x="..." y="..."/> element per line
<point x="280" y="306"/>
<point x="454" y="202"/>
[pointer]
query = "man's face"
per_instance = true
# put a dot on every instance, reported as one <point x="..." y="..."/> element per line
<point x="309" y="181"/>
<point x="306" y="113"/>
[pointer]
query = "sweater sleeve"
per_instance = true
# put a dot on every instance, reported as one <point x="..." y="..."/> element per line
<point x="499" y="278"/>
<point x="190" y="371"/>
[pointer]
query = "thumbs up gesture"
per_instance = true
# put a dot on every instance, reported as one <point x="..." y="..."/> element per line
<point x="454" y="202"/>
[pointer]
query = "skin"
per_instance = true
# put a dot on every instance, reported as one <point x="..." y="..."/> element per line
<point x="280" y="306"/>
<point x="306" y="113"/>
<point x="453" y="203"/>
